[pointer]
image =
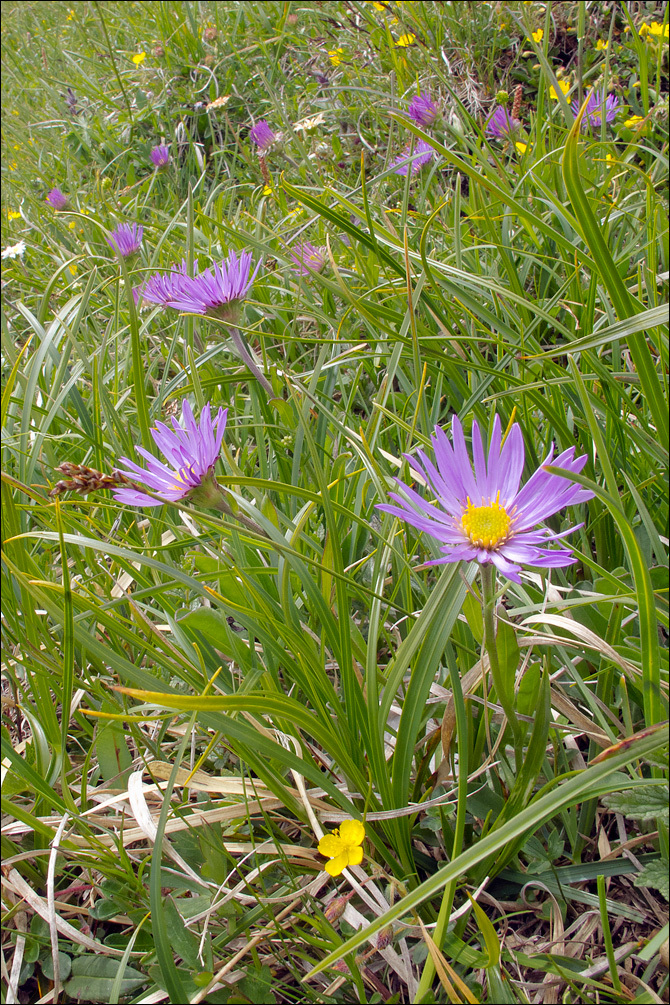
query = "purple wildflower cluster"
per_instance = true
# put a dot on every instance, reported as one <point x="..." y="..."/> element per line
<point x="56" y="199"/>
<point x="191" y="450"/>
<point x="483" y="516"/>
<point x="262" y="135"/>
<point x="126" y="239"/>
<point x="208" y="293"/>
<point x="422" y="110"/>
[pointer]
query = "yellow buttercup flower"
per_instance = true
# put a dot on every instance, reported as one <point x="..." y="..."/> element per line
<point x="564" y="86"/>
<point x="379" y="6"/>
<point x="601" y="44"/>
<point x="267" y="190"/>
<point x="343" y="846"/>
<point x="521" y="147"/>
<point x="139" y="57"/>
<point x="656" y="28"/>
<point x="335" y="56"/>
<point x="538" y="35"/>
<point x="73" y="269"/>
<point x="634" y="120"/>
<point x="12" y="215"/>
<point x="406" y="40"/>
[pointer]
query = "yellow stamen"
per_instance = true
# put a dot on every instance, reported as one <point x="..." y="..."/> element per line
<point x="486" y="526"/>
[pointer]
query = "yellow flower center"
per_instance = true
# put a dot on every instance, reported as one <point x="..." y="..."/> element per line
<point x="486" y="526"/>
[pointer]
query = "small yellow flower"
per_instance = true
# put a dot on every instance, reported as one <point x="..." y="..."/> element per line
<point x="12" y="215"/>
<point x="70" y="14"/>
<point x="72" y="224"/>
<point x="17" y="146"/>
<point x="521" y="147"/>
<point x="15" y="111"/>
<point x="267" y="190"/>
<point x="564" y="86"/>
<point x="633" y="121"/>
<point x="656" y="28"/>
<point x="538" y="35"/>
<point x="406" y="40"/>
<point x="139" y="57"/>
<point x="602" y="44"/>
<point x="609" y="159"/>
<point x="73" y="269"/>
<point x="378" y="6"/>
<point x="643" y="30"/>
<point x="335" y="56"/>
<point x="343" y="846"/>
<point x="12" y="166"/>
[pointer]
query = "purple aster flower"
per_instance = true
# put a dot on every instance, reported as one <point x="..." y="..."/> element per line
<point x="594" y="109"/>
<point x="501" y="124"/>
<point x="484" y="516"/>
<point x="56" y="199"/>
<point x="307" y="258"/>
<point x="422" y="109"/>
<point x="262" y="135"/>
<point x="160" y="155"/>
<point x="420" y="155"/>
<point x="191" y="450"/>
<point x="214" y="292"/>
<point x="126" y="240"/>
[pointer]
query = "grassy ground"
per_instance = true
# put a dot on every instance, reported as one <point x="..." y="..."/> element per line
<point x="289" y="659"/>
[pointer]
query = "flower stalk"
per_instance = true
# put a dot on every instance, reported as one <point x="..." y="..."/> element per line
<point x="249" y="361"/>
<point x="506" y="699"/>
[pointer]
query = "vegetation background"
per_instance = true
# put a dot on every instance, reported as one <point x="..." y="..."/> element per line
<point x="293" y="662"/>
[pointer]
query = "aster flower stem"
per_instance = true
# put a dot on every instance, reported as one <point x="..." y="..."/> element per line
<point x="506" y="700"/>
<point x="249" y="361"/>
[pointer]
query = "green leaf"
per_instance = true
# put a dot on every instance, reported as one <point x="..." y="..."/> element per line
<point x="93" y="978"/>
<point x="645" y="803"/>
<point x="655" y="874"/>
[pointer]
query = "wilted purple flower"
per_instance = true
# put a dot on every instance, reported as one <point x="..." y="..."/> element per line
<point x="191" y="450"/>
<point x="307" y="257"/>
<point x="484" y="517"/>
<point x="126" y="239"/>
<point x="262" y="135"/>
<point x="421" y="154"/>
<point x="56" y="199"/>
<point x="422" y="109"/>
<point x="160" y="155"/>
<point x="214" y="292"/>
<point x="594" y="109"/>
<point x="501" y="124"/>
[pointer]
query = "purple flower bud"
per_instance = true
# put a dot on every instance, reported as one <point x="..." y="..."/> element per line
<point x="423" y="110"/>
<point x="501" y="124"/>
<point x="307" y="258"/>
<point x="421" y="154"/>
<point x="126" y="239"/>
<point x="594" y="109"/>
<point x="262" y="135"/>
<point x="160" y="155"/>
<point x="56" y="199"/>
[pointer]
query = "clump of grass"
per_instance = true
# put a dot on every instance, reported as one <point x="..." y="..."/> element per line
<point x="199" y="696"/>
